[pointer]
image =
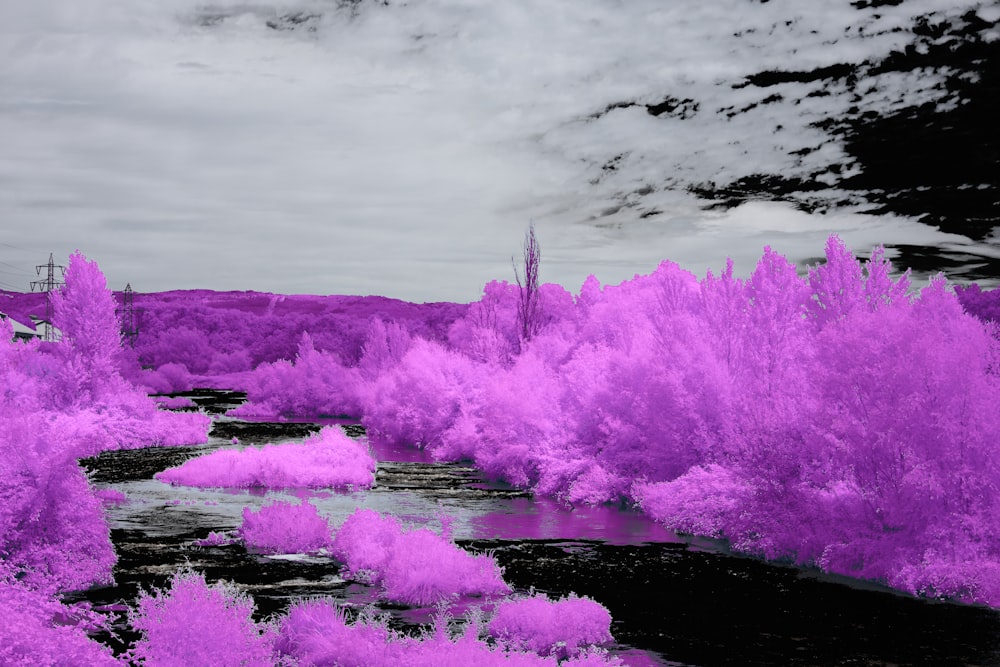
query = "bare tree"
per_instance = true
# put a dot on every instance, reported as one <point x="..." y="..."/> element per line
<point x="529" y="312"/>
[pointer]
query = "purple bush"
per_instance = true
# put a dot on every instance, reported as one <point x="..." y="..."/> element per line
<point x="52" y="527"/>
<point x="61" y="402"/>
<point x="192" y="623"/>
<point x="317" y="633"/>
<point x="702" y="501"/>
<point x="315" y="384"/>
<point x="215" y="336"/>
<point x="214" y="539"/>
<point x="174" y="402"/>
<point x="416" y="567"/>
<point x="559" y="628"/>
<point x="38" y="630"/>
<point x="285" y="527"/>
<point x="129" y="420"/>
<point x="384" y="347"/>
<point x="168" y="378"/>
<point x="840" y="420"/>
<point x="328" y="459"/>
<point x="983" y="304"/>
<point x="420" y="398"/>
<point x="110" y="497"/>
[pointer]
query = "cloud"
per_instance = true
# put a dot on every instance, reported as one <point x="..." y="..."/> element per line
<point x="402" y="150"/>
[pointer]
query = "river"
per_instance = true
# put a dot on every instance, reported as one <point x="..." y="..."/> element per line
<point x="674" y="600"/>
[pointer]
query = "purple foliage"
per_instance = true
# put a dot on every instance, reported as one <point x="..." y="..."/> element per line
<point x="839" y="421"/>
<point x="61" y="402"/>
<point x="214" y="539"/>
<point x="317" y="633"/>
<point x="384" y="347"/>
<point x="285" y="527"/>
<point x="315" y="384"/>
<point x="168" y="378"/>
<point x="560" y="628"/>
<point x="419" y="399"/>
<point x="110" y="496"/>
<point x="130" y="420"/>
<point x="84" y="313"/>
<point x="984" y="304"/>
<point x="214" y="335"/>
<point x="328" y="459"/>
<point x="38" y="630"/>
<point x="702" y="501"/>
<point x="174" y="402"/>
<point x="417" y="566"/>
<point x="489" y="331"/>
<point x="192" y="623"/>
<point x="52" y="529"/>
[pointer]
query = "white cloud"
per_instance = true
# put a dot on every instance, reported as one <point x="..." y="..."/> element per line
<point x="404" y="150"/>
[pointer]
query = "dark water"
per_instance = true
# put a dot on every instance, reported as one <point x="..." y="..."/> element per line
<point x="674" y="601"/>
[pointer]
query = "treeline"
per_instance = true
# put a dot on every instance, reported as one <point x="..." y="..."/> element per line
<point x="60" y="402"/>
<point x="842" y="419"/>
<point x="208" y="338"/>
<point x="63" y="401"/>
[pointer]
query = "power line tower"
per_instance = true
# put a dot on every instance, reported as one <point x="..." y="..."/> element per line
<point x="128" y="316"/>
<point x="47" y="286"/>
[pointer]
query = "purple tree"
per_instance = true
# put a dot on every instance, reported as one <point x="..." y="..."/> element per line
<point x="84" y="312"/>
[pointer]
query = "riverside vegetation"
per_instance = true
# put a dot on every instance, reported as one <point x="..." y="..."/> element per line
<point x="842" y="420"/>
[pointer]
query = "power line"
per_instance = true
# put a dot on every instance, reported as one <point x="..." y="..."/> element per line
<point x="18" y="269"/>
<point x="15" y="247"/>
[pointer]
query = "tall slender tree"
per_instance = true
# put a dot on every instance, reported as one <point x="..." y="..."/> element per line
<point x="529" y="311"/>
<point x="84" y="311"/>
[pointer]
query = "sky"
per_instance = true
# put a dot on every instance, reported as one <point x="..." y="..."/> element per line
<point x="329" y="147"/>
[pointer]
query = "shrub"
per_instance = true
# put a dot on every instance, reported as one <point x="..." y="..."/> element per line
<point x="110" y="497"/>
<point x="326" y="460"/>
<point x="167" y="379"/>
<point x="551" y="627"/>
<point x="52" y="528"/>
<point x="419" y="399"/>
<point x="37" y="630"/>
<point x="174" y="402"/>
<point x="317" y="633"/>
<point x="284" y="527"/>
<point x="214" y="539"/>
<point x="317" y="383"/>
<point x="703" y="501"/>
<point x="192" y="623"/>
<point x="414" y="567"/>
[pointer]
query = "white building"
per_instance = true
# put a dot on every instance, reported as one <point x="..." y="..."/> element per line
<point x="21" y="330"/>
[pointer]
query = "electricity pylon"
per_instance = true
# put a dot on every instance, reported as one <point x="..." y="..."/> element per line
<point x="47" y="286"/>
<point x="127" y="315"/>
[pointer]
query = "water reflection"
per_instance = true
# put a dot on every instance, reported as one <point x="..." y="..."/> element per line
<point x="162" y="510"/>
<point x="544" y="519"/>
